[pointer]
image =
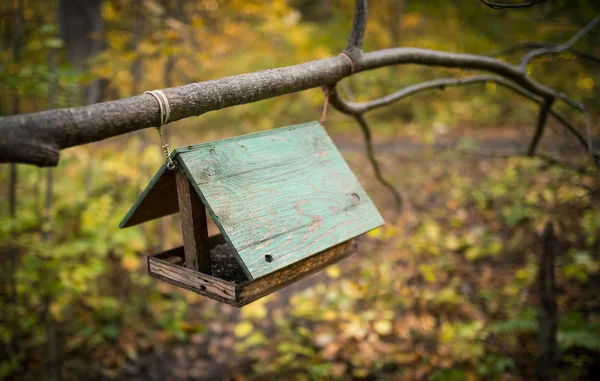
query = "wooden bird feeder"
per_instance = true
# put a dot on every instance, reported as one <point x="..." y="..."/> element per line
<point x="284" y="200"/>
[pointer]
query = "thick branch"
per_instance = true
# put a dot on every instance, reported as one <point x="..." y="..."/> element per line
<point x="558" y="48"/>
<point x="37" y="138"/>
<point x="355" y="42"/>
<point x="388" y="57"/>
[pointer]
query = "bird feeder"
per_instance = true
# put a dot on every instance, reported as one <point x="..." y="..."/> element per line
<point x="284" y="200"/>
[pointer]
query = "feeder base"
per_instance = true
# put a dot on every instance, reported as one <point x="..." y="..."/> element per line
<point x="232" y="286"/>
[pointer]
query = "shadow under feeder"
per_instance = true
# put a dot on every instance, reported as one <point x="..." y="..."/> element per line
<point x="284" y="200"/>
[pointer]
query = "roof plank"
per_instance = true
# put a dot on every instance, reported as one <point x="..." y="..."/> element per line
<point x="279" y="196"/>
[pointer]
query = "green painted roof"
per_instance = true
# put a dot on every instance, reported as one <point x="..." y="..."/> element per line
<point x="287" y="193"/>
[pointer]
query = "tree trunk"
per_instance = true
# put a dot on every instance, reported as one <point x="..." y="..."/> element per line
<point x="547" y="310"/>
<point x="82" y="30"/>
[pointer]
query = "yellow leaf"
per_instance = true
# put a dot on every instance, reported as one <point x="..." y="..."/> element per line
<point x="452" y="242"/>
<point x="383" y="327"/>
<point x="243" y="329"/>
<point x="56" y="311"/>
<point x="131" y="262"/>
<point x="375" y="233"/>
<point x="255" y="310"/>
<point x="329" y="315"/>
<point x="585" y="83"/>
<point x="333" y="272"/>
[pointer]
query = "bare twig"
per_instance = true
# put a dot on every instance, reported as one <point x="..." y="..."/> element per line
<point x="364" y="126"/>
<point x="510" y="153"/>
<point x="536" y="45"/>
<point x="495" y="5"/>
<point x="553" y="49"/>
<point x="581" y="169"/>
<point x="518" y="47"/>
<point x="585" y="55"/>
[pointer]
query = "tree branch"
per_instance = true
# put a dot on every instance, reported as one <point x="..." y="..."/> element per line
<point x="539" y="127"/>
<point x="364" y="126"/>
<point x="506" y="154"/>
<point x="440" y="84"/>
<point x="534" y="45"/>
<point x="586" y="56"/>
<point x="517" y="47"/>
<point x="558" y="48"/>
<point x="355" y="42"/>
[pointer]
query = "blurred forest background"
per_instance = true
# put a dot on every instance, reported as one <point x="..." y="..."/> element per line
<point x="445" y="291"/>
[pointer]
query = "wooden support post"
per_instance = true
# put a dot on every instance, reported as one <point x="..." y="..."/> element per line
<point x="193" y="226"/>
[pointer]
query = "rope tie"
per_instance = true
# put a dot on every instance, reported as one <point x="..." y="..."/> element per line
<point x="349" y="61"/>
<point x="165" y="113"/>
<point x="328" y="90"/>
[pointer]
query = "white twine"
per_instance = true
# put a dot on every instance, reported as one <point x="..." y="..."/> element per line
<point x="165" y="113"/>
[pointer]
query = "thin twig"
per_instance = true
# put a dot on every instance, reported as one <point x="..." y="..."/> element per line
<point x="364" y="126"/>
<point x="585" y="55"/>
<point x="535" y="45"/>
<point x="507" y="154"/>
<point x="558" y="48"/>
<point x="495" y="5"/>
<point x="517" y="47"/>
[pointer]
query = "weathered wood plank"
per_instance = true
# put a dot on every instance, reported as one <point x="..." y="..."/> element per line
<point x="250" y="291"/>
<point x="280" y="196"/>
<point x="193" y="226"/>
<point x="192" y="280"/>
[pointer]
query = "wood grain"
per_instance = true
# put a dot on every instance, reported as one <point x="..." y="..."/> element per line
<point x="250" y="291"/>
<point x="284" y="193"/>
<point x="189" y="279"/>
<point x="163" y="267"/>
<point x="193" y="226"/>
